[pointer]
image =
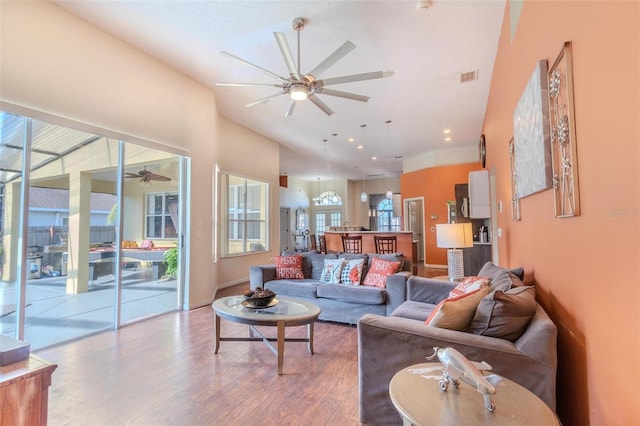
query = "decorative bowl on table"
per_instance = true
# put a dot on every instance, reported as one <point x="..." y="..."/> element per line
<point x="258" y="298"/>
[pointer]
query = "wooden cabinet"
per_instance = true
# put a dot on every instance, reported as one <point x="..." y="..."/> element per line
<point x="475" y="257"/>
<point x="24" y="392"/>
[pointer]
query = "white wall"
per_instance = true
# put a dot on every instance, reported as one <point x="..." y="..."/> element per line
<point x="54" y="63"/>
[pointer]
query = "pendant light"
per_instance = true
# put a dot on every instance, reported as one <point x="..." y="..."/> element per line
<point x="364" y="197"/>
<point x="389" y="194"/>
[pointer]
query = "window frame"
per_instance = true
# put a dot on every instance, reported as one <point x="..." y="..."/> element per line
<point x="237" y="226"/>
<point x="164" y="214"/>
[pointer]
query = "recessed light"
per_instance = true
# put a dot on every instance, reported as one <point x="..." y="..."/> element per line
<point x="446" y="131"/>
<point x="360" y="147"/>
<point x="447" y="139"/>
<point x="374" y="158"/>
<point x="351" y="139"/>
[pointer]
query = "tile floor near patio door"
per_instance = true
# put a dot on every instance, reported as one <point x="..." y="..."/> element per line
<point x="54" y="316"/>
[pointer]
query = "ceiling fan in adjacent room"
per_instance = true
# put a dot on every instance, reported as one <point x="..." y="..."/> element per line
<point x="300" y="86"/>
<point x="146" y="176"/>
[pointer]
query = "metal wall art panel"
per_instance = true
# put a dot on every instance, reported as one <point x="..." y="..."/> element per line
<point x="532" y="142"/>
<point x="563" y="135"/>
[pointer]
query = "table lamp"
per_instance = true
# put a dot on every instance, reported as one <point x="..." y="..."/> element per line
<point x="454" y="236"/>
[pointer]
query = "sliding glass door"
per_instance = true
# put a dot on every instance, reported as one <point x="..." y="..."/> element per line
<point x="86" y="223"/>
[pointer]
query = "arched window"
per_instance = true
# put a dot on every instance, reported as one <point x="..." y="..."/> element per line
<point x="386" y="221"/>
<point x="328" y="198"/>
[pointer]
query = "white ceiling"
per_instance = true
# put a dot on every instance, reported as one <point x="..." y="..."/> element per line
<point x="427" y="50"/>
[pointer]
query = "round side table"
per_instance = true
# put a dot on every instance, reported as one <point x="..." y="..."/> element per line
<point x="416" y="394"/>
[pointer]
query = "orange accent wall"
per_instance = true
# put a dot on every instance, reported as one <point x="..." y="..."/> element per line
<point x="586" y="267"/>
<point x="437" y="186"/>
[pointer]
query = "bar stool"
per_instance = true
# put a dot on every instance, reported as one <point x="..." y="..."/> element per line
<point x="352" y="244"/>
<point x="322" y="243"/>
<point x="385" y="244"/>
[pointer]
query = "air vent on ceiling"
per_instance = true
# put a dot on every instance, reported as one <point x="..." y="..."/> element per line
<point x="468" y="76"/>
<point x="375" y="175"/>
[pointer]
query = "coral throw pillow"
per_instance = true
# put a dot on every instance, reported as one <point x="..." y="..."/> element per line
<point x="469" y="284"/>
<point x="331" y="271"/>
<point x="379" y="271"/>
<point x="289" y="267"/>
<point x="457" y="312"/>
<point x="352" y="272"/>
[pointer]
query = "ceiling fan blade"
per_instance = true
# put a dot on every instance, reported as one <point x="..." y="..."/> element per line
<point x="286" y="54"/>
<point x="341" y="94"/>
<point x="248" y="84"/>
<point x="320" y="104"/>
<point x="354" y="77"/>
<point x="153" y="176"/>
<point x="340" y="53"/>
<point x="263" y="100"/>
<point x="292" y="106"/>
<point x="254" y="66"/>
<point x="132" y="175"/>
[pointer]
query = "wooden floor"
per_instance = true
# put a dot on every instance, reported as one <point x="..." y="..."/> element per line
<point x="163" y="371"/>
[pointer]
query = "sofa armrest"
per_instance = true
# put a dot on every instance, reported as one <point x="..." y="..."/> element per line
<point x="428" y="290"/>
<point x="396" y="290"/>
<point x="260" y="274"/>
<point x="388" y="344"/>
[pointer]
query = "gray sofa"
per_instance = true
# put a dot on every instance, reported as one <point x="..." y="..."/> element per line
<point x="388" y="344"/>
<point x="338" y="302"/>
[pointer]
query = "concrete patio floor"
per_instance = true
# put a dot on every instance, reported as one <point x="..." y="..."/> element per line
<point x="54" y="316"/>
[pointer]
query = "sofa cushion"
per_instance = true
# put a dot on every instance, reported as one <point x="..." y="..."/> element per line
<point x="352" y="272"/>
<point x="379" y="271"/>
<point x="317" y="263"/>
<point x="357" y="294"/>
<point x="489" y="270"/>
<point x="331" y="271"/>
<point x="289" y="267"/>
<point x="469" y="284"/>
<point x="294" y="288"/>
<point x="457" y="312"/>
<point x="505" y="314"/>
<point x="413" y="310"/>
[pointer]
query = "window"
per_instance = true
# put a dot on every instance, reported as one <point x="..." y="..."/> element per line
<point x="162" y="215"/>
<point x="245" y="209"/>
<point x="386" y="220"/>
<point x="328" y="198"/>
<point x="326" y="219"/>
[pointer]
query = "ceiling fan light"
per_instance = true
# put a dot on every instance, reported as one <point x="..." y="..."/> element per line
<point x="299" y="93"/>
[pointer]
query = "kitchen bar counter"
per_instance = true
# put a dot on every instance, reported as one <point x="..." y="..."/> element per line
<point x="404" y="241"/>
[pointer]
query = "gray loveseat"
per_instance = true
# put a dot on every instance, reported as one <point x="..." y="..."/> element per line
<point x="388" y="344"/>
<point x="338" y="302"/>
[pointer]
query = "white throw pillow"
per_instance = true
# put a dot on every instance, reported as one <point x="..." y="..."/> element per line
<point x="331" y="271"/>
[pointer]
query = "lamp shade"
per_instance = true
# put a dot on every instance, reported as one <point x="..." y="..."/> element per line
<point x="454" y="235"/>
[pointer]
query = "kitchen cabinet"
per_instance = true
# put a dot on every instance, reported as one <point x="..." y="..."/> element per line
<point x="479" y="200"/>
<point x="462" y="203"/>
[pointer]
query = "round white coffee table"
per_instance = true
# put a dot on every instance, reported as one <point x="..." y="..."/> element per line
<point x="287" y="312"/>
<point x="416" y="394"/>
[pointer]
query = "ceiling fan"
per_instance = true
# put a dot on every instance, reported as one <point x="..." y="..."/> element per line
<point x="300" y="86"/>
<point x="147" y="176"/>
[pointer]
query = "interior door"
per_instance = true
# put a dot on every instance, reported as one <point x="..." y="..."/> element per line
<point x="415" y="224"/>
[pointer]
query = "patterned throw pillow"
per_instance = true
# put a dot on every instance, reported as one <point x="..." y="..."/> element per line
<point x="469" y="284"/>
<point x="331" y="271"/>
<point x="457" y="312"/>
<point x="289" y="267"/>
<point x="352" y="272"/>
<point x="379" y="271"/>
